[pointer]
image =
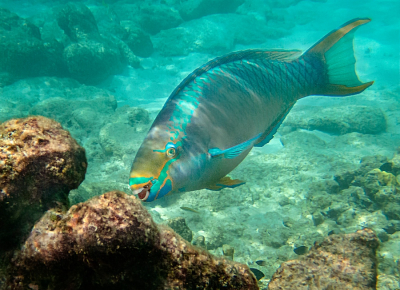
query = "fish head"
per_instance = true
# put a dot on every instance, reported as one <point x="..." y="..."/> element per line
<point x="154" y="170"/>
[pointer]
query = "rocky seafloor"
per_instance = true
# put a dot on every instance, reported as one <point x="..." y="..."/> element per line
<point x="104" y="69"/>
<point x="111" y="241"/>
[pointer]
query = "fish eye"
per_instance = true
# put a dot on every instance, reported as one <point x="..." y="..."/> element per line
<point x="171" y="152"/>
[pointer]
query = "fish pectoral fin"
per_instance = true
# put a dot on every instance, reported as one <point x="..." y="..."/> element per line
<point x="234" y="151"/>
<point x="225" y="182"/>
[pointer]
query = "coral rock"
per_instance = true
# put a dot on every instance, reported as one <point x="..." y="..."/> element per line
<point x="344" y="178"/>
<point x="90" y="58"/>
<point x="198" y="8"/>
<point x="24" y="53"/>
<point x="339" y="119"/>
<point x="339" y="262"/>
<point x="92" y="61"/>
<point x="180" y="227"/>
<point x="137" y="40"/>
<point x="111" y="242"/>
<point x="77" y="21"/>
<point x="201" y="35"/>
<point x="39" y="164"/>
<point x="393" y="165"/>
<point x="200" y="241"/>
<point x="154" y="18"/>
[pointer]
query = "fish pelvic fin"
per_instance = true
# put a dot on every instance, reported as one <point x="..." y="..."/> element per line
<point x="337" y="53"/>
<point x="225" y="182"/>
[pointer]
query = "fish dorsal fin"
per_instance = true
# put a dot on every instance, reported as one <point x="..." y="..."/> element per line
<point x="249" y="55"/>
<point x="234" y="151"/>
<point x="225" y="182"/>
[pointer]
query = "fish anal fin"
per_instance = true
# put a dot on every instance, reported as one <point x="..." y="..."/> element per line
<point x="270" y="132"/>
<point x="225" y="182"/>
<point x="215" y="187"/>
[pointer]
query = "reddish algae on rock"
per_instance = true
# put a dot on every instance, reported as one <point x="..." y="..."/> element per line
<point x="39" y="164"/>
<point x="111" y="242"/>
<point x="342" y="262"/>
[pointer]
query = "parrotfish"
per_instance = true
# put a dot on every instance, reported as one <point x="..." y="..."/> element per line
<point x="224" y="108"/>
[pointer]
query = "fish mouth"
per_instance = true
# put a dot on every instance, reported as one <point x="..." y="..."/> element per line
<point x="143" y="192"/>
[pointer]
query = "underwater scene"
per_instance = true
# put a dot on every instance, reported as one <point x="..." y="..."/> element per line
<point x="199" y="144"/>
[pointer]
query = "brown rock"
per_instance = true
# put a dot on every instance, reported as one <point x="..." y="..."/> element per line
<point x="393" y="165"/>
<point x="180" y="227"/>
<point x="39" y="164"/>
<point x="111" y="242"/>
<point x="339" y="262"/>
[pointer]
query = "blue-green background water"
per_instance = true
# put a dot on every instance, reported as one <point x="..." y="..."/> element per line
<point x="109" y="108"/>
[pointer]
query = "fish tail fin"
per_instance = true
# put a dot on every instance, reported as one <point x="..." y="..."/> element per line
<point x="337" y="54"/>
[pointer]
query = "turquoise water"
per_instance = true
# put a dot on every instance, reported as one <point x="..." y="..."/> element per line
<point x="108" y="98"/>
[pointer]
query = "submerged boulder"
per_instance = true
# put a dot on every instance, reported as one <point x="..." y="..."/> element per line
<point x="137" y="40"/>
<point x="339" y="262"/>
<point x="200" y="35"/>
<point x="383" y="189"/>
<point x="89" y="113"/>
<point x="80" y="110"/>
<point x="179" y="225"/>
<point x="154" y="18"/>
<point x="393" y="165"/>
<point x="126" y="131"/>
<point x="198" y="8"/>
<point x="339" y="119"/>
<point x="111" y="242"/>
<point x="92" y="61"/>
<point x="24" y="53"/>
<point x="77" y="21"/>
<point x="374" y="185"/>
<point x="39" y="164"/>
<point x="215" y="34"/>
<point x="89" y="58"/>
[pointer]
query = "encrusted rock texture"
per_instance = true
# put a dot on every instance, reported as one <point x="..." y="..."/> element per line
<point x="198" y="8"/>
<point x="179" y="225"/>
<point x="24" y="53"/>
<point x="111" y="242"/>
<point x="39" y="164"/>
<point x="339" y="262"/>
<point x="340" y="119"/>
<point x="90" y="58"/>
<point x="375" y="185"/>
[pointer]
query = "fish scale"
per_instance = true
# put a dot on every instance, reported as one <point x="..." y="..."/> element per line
<point x="259" y="80"/>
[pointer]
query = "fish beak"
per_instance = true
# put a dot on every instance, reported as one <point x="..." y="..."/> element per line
<point x="142" y="186"/>
<point x="143" y="192"/>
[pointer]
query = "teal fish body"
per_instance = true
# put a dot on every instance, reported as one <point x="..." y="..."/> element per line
<point x="223" y="109"/>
